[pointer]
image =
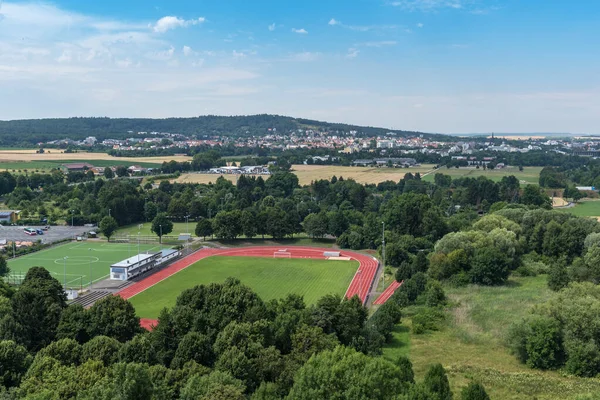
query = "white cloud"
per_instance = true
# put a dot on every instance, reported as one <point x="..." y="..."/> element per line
<point x="187" y="51"/>
<point x="382" y="43"/>
<point x="305" y="56"/>
<point x="420" y="25"/>
<point x="472" y="6"/>
<point x="334" y="22"/>
<point x="170" y="22"/>
<point x="360" y="28"/>
<point x="272" y="27"/>
<point x="352" y="53"/>
<point x="65" y="57"/>
<point x="301" y="31"/>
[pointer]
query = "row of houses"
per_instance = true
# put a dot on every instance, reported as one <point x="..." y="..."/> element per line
<point x="83" y="167"/>
<point x="249" y="170"/>
<point x="396" y="162"/>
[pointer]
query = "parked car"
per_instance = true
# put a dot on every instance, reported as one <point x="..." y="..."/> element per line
<point x="46" y="228"/>
<point x="39" y="231"/>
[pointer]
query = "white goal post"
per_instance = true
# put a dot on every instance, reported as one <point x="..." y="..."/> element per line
<point x="282" y="254"/>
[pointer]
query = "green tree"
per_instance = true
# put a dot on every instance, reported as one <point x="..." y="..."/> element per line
<point x="161" y="225"/>
<point x="101" y="348"/>
<point x="316" y="225"/>
<point x="4" y="270"/>
<point x="150" y="210"/>
<point x="474" y="391"/>
<point x="122" y="171"/>
<point x="193" y="347"/>
<point x="14" y="362"/>
<point x="108" y="173"/>
<point x="228" y="224"/>
<point x="114" y="317"/>
<point x="74" y="324"/>
<point x="37" y="307"/>
<point x="217" y="385"/>
<point x="204" y="228"/>
<point x="558" y="276"/>
<point x="436" y="383"/>
<point x="108" y="226"/>
<point x="342" y="374"/>
<point x="67" y="351"/>
<point x="138" y="350"/>
<point x="406" y="369"/>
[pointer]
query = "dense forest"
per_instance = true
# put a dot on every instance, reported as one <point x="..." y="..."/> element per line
<point x="30" y="132"/>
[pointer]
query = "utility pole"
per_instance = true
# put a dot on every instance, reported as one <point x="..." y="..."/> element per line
<point x="383" y="253"/>
<point x="91" y="279"/>
<point x="65" y="271"/>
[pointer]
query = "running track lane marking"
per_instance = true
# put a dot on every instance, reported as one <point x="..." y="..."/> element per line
<point x="388" y="293"/>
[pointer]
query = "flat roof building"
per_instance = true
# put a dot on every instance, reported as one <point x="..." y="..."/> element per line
<point x="134" y="266"/>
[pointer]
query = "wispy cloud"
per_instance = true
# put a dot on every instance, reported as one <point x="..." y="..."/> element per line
<point x="305" y="56"/>
<point x="428" y="5"/>
<point x="420" y="25"/>
<point x="382" y="43"/>
<point x="300" y="31"/>
<point x="170" y="22"/>
<point x="272" y="27"/>
<point x="352" y="53"/>
<point x="360" y="28"/>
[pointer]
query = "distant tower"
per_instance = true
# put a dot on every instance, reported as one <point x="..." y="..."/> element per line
<point x="492" y="135"/>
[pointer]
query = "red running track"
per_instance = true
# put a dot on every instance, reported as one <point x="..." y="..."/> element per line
<point x="387" y="293"/>
<point x="360" y="285"/>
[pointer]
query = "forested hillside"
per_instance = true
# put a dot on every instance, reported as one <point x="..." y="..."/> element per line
<point x="42" y="130"/>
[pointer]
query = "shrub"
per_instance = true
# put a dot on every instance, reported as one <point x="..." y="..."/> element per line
<point x="428" y="319"/>
<point x="475" y="391"/>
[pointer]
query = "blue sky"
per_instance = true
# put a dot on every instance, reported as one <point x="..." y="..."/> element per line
<point x="431" y="65"/>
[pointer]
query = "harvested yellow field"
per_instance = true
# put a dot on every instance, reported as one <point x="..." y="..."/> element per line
<point x="57" y="155"/>
<point x="558" y="202"/>
<point x="309" y="173"/>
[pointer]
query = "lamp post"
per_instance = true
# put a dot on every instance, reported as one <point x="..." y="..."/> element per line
<point x="383" y="253"/>
<point x="160" y="226"/>
<point x="91" y="279"/>
<point x="109" y="212"/>
<point x="138" y="247"/>
<point x="72" y="215"/>
<point x="187" y="228"/>
<point x="65" y="271"/>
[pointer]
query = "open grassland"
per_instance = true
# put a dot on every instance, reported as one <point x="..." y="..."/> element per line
<point x="81" y="256"/>
<point x="472" y="345"/>
<point x="309" y="173"/>
<point x="45" y="166"/>
<point x="530" y="175"/>
<point x="589" y="208"/>
<point x="271" y="278"/>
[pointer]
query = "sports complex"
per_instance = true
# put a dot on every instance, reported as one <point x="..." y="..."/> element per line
<point x="76" y="264"/>
<point x="272" y="272"/>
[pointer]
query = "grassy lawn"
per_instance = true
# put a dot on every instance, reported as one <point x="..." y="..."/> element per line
<point x="529" y="175"/>
<point x="584" y="209"/>
<point x="270" y="278"/>
<point x="101" y="256"/>
<point x="145" y="229"/>
<point x="472" y="346"/>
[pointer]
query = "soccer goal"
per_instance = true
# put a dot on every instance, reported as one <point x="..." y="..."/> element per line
<point x="282" y="254"/>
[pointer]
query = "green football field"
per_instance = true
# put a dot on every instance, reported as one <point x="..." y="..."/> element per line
<point x="81" y="256"/>
<point x="270" y="278"/>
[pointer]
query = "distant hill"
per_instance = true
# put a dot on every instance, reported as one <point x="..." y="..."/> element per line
<point x="22" y="132"/>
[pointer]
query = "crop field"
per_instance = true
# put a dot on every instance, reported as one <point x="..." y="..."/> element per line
<point x="271" y="278"/>
<point x="309" y="173"/>
<point x="29" y="159"/>
<point x="530" y="175"/>
<point x="584" y="209"/>
<point x="81" y="256"/>
<point x="472" y="345"/>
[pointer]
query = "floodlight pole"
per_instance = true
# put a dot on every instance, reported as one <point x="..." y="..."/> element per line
<point x="91" y="279"/>
<point x="65" y="271"/>
<point x="72" y="215"/>
<point x="109" y="212"/>
<point x="160" y="226"/>
<point x="138" y="247"/>
<point x="383" y="253"/>
<point x="187" y="228"/>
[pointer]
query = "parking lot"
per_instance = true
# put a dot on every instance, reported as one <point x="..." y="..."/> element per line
<point x="54" y="234"/>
